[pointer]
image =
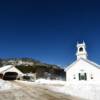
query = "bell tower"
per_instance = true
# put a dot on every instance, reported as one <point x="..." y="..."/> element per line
<point x="81" y="51"/>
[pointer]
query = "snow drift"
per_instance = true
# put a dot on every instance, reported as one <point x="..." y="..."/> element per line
<point x="52" y="82"/>
<point x="6" y="85"/>
<point x="86" y="90"/>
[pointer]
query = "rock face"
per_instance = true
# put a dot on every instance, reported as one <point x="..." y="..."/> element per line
<point x="32" y="92"/>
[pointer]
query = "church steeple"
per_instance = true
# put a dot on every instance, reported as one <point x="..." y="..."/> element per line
<point x="81" y="50"/>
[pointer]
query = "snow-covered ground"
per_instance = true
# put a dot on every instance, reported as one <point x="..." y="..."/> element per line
<point x="32" y="91"/>
<point x="86" y="90"/>
<point x="51" y="82"/>
<point x="53" y="85"/>
<point x="6" y="85"/>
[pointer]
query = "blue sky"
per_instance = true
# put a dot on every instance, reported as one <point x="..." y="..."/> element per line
<point x="48" y="30"/>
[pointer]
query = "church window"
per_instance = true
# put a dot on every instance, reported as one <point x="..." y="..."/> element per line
<point x="82" y="76"/>
<point x="74" y="77"/>
<point x="91" y="76"/>
<point x="80" y="49"/>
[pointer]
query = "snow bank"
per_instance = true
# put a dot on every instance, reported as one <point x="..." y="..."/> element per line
<point x="85" y="90"/>
<point x="53" y="85"/>
<point x="26" y="82"/>
<point x="6" y="85"/>
<point x="58" y="89"/>
<point x="52" y="82"/>
<point x="90" y="91"/>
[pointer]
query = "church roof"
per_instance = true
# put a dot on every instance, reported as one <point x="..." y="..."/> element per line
<point x="86" y="60"/>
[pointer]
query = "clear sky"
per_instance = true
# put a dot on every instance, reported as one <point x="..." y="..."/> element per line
<point x="48" y="30"/>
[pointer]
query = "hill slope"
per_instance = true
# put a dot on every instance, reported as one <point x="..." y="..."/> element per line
<point x="29" y="65"/>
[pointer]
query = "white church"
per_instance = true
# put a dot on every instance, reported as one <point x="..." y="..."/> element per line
<point x="82" y="69"/>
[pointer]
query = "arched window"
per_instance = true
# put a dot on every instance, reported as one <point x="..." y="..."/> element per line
<point x="80" y="49"/>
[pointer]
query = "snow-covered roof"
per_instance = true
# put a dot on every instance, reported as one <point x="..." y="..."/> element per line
<point x="5" y="68"/>
<point x="86" y="60"/>
<point x="9" y="68"/>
